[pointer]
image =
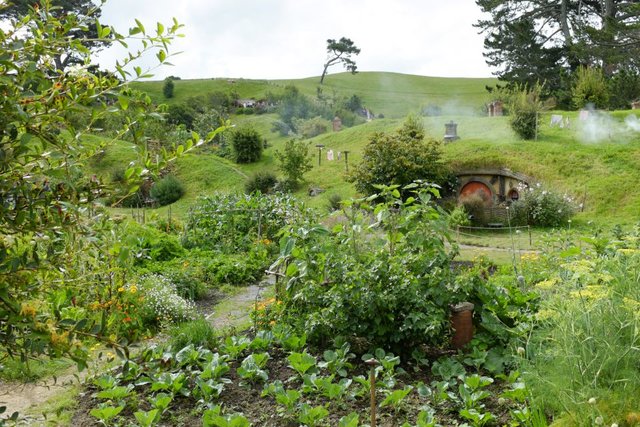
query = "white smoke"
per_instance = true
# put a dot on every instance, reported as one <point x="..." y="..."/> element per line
<point x="632" y="122"/>
<point x="596" y="126"/>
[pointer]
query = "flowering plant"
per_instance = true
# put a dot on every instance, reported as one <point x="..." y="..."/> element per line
<point x="542" y="207"/>
<point x="162" y="304"/>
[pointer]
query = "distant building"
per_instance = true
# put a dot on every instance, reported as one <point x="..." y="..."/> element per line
<point x="495" y="186"/>
<point x="245" y="103"/>
<point x="494" y="109"/>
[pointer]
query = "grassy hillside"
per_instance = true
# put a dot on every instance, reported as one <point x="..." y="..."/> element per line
<point x="394" y="95"/>
<point x="601" y="171"/>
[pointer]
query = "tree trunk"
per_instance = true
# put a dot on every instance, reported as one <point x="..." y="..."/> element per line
<point x="324" y="72"/>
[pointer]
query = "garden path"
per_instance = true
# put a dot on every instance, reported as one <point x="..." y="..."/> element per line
<point x="230" y="313"/>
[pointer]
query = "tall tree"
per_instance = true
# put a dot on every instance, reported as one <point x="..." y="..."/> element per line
<point x="84" y="11"/>
<point x="532" y="40"/>
<point x="340" y="52"/>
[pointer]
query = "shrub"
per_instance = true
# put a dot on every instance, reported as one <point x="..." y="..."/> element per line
<point x="236" y="222"/>
<point x="393" y="293"/>
<point x="348" y="118"/>
<point x="167" y="88"/>
<point x="263" y="181"/>
<point x="199" y="333"/>
<point x="310" y="128"/>
<point x="167" y="190"/>
<point x="294" y="162"/>
<point x="399" y="158"/>
<point x="152" y="244"/>
<point x="624" y="87"/>
<point x="353" y="104"/>
<point x="475" y="207"/>
<point x="281" y="127"/>
<point x="208" y="120"/>
<point x="161" y="303"/>
<point x="181" y="114"/>
<point x="334" y="202"/>
<point x="238" y="269"/>
<point x="525" y="107"/>
<point x="541" y="207"/>
<point x="247" y="145"/>
<point x="590" y="88"/>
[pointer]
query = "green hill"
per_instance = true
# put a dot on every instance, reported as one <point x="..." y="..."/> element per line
<point x="601" y="174"/>
<point x="392" y="94"/>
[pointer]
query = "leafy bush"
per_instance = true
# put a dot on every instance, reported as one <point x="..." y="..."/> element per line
<point x="525" y="107"/>
<point x="399" y="159"/>
<point x="181" y="114"/>
<point x="349" y="118"/>
<point x="334" y="202"/>
<point x="475" y="206"/>
<point x="590" y="88"/>
<point x="281" y="127"/>
<point x="162" y="304"/>
<point x="237" y="270"/>
<point x="541" y="207"/>
<point x="392" y="291"/>
<point x="152" y="244"/>
<point x="309" y="128"/>
<point x="247" y="145"/>
<point x="167" y="190"/>
<point x="233" y="223"/>
<point x="390" y="283"/>
<point x="198" y="333"/>
<point x="624" y="87"/>
<point x="167" y="88"/>
<point x="294" y="162"/>
<point x="263" y="181"/>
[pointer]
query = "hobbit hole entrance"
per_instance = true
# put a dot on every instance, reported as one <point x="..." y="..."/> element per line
<point x="477" y="188"/>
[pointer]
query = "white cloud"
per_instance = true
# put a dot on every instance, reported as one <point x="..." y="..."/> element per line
<point x="287" y="38"/>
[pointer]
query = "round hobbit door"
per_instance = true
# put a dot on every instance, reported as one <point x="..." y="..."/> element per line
<point x="477" y="188"/>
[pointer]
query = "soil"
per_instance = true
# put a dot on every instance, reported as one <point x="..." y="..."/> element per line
<point x="17" y="397"/>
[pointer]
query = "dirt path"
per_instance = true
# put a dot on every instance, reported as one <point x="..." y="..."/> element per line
<point x="232" y="312"/>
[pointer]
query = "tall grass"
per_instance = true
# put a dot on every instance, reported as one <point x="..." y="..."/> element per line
<point x="584" y="359"/>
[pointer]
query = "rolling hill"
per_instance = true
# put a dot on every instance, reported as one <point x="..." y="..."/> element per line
<point x="595" y="162"/>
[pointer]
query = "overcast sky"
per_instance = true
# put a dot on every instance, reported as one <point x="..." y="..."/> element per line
<point x="281" y="39"/>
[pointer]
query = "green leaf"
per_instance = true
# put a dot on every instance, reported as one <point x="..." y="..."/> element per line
<point x="106" y="413"/>
<point x="124" y="102"/>
<point x="350" y="420"/>
<point x="147" y="419"/>
<point x="140" y="26"/>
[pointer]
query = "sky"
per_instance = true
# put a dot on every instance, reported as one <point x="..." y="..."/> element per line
<point x="287" y="39"/>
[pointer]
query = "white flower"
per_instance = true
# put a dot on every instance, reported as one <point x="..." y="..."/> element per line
<point x="592" y="401"/>
<point x="599" y="421"/>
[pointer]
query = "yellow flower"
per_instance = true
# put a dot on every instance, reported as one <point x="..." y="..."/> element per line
<point x="133" y="289"/>
<point x="546" y="314"/>
<point x="121" y="289"/>
<point x="590" y="293"/>
<point x="547" y="284"/>
<point x="27" y="310"/>
<point x="628" y="251"/>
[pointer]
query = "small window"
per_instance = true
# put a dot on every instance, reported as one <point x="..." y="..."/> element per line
<point x="513" y="195"/>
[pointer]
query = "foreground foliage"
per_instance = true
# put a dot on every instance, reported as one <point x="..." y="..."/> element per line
<point x="382" y="277"/>
<point x="273" y="379"/>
